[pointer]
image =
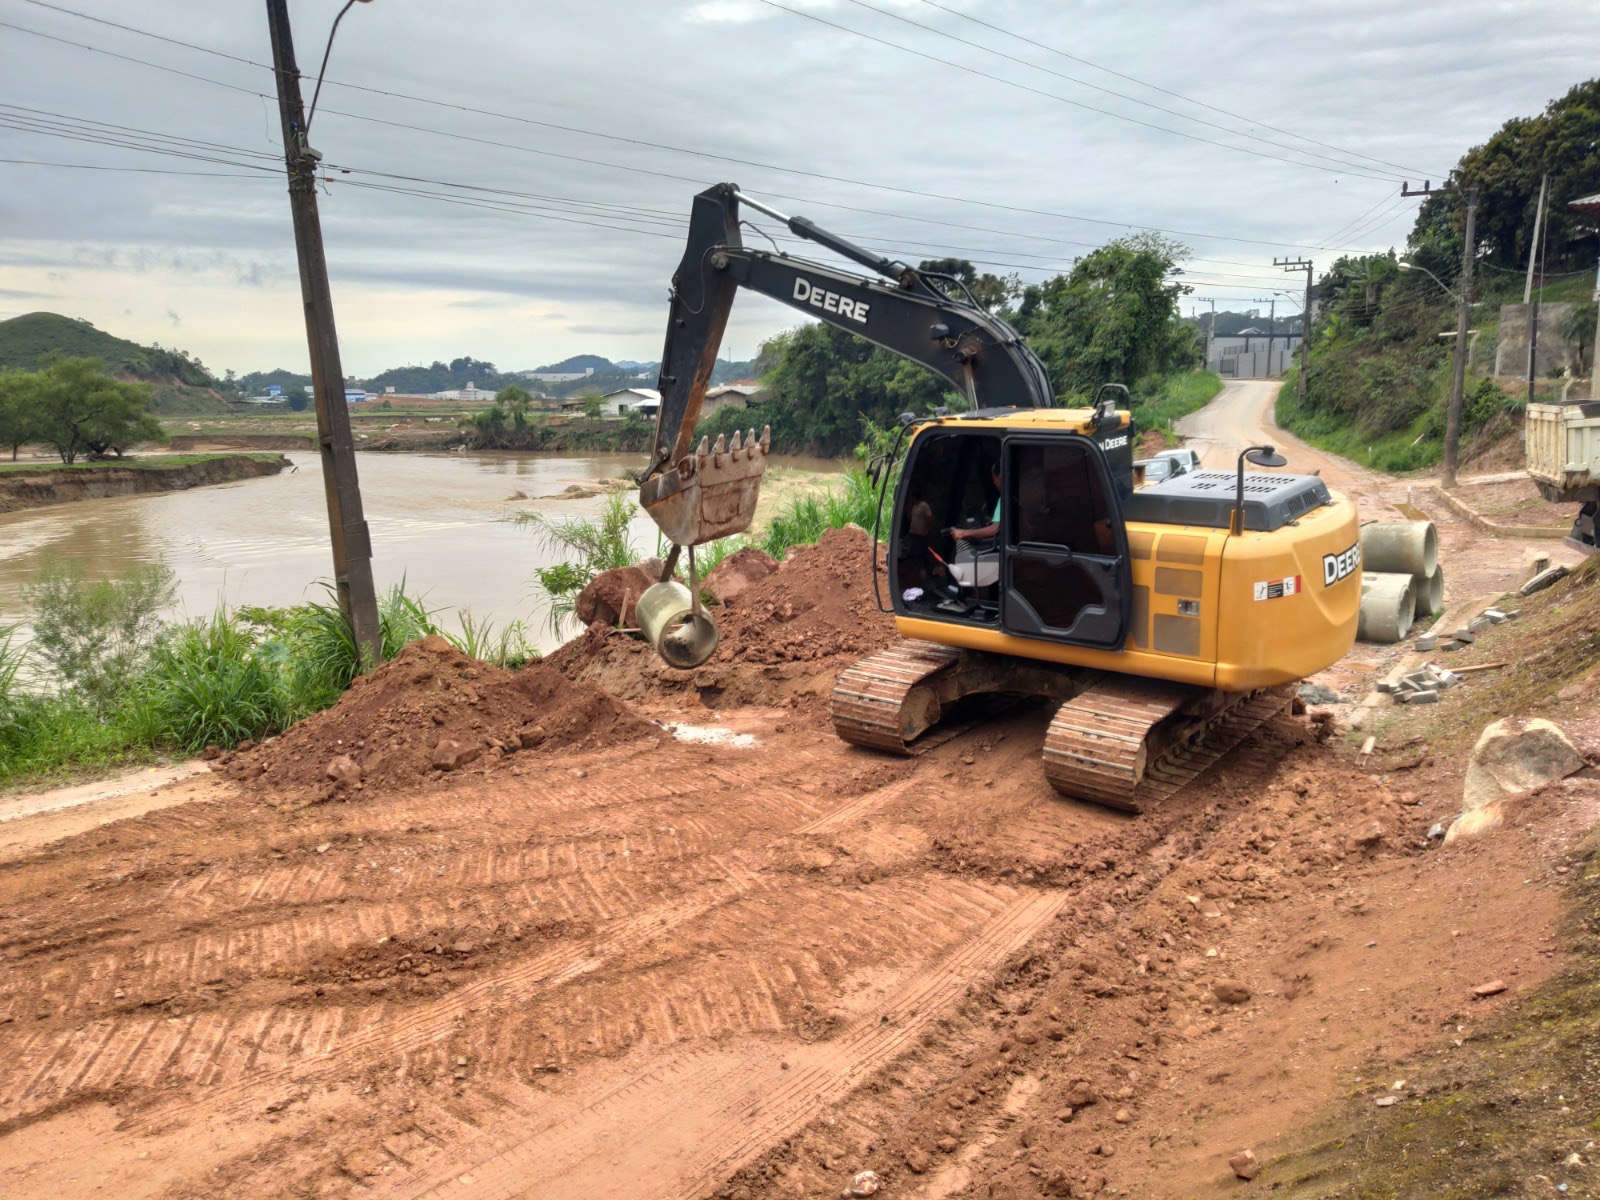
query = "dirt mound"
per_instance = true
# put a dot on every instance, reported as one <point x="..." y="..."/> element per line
<point x="783" y="639"/>
<point x="432" y="710"/>
<point x="818" y="604"/>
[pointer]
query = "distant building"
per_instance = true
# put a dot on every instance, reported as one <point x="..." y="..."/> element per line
<point x="1253" y="354"/>
<point x="471" y="394"/>
<point x="557" y="376"/>
<point x="731" y="395"/>
<point x="645" y="401"/>
<point x="355" y="397"/>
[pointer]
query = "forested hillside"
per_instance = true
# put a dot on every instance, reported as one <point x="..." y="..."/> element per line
<point x="179" y="383"/>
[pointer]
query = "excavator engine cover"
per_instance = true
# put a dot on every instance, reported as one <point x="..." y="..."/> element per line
<point x="711" y="493"/>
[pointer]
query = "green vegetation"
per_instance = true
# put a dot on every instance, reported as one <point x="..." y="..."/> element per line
<point x="1160" y="400"/>
<point x="74" y="406"/>
<point x="145" y="462"/>
<point x="123" y="686"/>
<point x="178" y="382"/>
<point x="1380" y="371"/>
<point x="595" y="546"/>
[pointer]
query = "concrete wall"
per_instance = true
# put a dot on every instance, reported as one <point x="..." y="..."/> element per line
<point x="1511" y="352"/>
<point x="1257" y="364"/>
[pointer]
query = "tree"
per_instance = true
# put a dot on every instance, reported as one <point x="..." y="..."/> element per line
<point x="79" y="409"/>
<point x="515" y="401"/>
<point x="1578" y="328"/>
<point x="298" y="400"/>
<point x="1114" y="319"/>
<point x="18" y="402"/>
<point x="992" y="292"/>
<point x="593" y="406"/>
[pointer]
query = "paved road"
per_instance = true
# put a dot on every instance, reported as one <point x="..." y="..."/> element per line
<point x="1241" y="416"/>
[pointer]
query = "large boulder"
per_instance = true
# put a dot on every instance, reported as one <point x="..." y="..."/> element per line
<point x="611" y="595"/>
<point x="740" y="570"/>
<point x="1512" y="756"/>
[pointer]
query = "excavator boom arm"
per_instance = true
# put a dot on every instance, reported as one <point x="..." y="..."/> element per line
<point x="980" y="354"/>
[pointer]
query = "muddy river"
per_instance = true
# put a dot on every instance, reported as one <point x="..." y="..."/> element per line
<point x="440" y="522"/>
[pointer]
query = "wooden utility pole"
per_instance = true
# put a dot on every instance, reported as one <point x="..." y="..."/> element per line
<point x="1458" y="368"/>
<point x="352" y="544"/>
<point x="1538" y="228"/>
<point x="1528" y="292"/>
<point x="1302" y="264"/>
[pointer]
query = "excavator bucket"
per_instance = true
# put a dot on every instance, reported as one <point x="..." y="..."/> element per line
<point x="710" y="493"/>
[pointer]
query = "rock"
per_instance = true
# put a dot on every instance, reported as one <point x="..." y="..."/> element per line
<point x="211" y="753"/>
<point x="1245" y="1164"/>
<point x="917" y="1159"/>
<point x="344" y="771"/>
<point x="946" y="1145"/>
<point x="1435" y="831"/>
<point x="740" y="570"/>
<point x="247" y="744"/>
<point x="1082" y="1095"/>
<point x="1367" y="837"/>
<point x="1230" y="991"/>
<point x="1122" y="1117"/>
<point x="1542" y="580"/>
<point x="1315" y="693"/>
<point x="863" y="1183"/>
<point x="451" y="754"/>
<point x="1514" y="755"/>
<point x="611" y="595"/>
<point x="1493" y="988"/>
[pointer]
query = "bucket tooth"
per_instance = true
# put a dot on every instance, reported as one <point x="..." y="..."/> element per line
<point x="735" y="446"/>
<point x="766" y="438"/>
<point x="719" y="448"/>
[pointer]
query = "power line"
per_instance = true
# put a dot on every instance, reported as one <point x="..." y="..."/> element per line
<point x="1111" y="92"/>
<point x="921" y="194"/>
<point x="34" y="162"/>
<point x="1164" y="91"/>
<point x="1012" y="83"/>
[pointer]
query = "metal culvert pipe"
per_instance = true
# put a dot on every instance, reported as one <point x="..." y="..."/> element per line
<point x="1387" y="607"/>
<point x="1428" y="591"/>
<point x="1400" y="547"/>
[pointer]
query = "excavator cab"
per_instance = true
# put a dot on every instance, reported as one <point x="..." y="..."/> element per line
<point x="1056" y="565"/>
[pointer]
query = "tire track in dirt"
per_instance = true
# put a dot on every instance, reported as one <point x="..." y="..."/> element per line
<point x="150" y="1049"/>
<point x="692" y="1146"/>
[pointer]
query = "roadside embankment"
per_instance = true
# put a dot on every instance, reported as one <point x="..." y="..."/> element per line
<point x="47" y="484"/>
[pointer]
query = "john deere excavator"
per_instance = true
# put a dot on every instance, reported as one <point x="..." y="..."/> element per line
<point x="1168" y="620"/>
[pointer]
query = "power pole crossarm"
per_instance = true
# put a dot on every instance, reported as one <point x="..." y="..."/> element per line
<point x="352" y="546"/>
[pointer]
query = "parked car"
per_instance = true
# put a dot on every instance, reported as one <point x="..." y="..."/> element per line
<point x="1168" y="464"/>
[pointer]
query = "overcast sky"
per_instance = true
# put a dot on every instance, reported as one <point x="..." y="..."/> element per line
<point x="1019" y="133"/>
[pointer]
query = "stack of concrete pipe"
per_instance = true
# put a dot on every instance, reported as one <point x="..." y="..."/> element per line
<point x="1401" y="579"/>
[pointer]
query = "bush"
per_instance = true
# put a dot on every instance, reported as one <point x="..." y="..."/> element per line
<point x="97" y="636"/>
<point x="598" y="546"/>
<point x="205" y="685"/>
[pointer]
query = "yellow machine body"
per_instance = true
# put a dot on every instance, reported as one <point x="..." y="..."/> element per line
<point x="1237" y="611"/>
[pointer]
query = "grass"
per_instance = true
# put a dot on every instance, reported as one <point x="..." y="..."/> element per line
<point x="215" y="681"/>
<point x="1178" y="396"/>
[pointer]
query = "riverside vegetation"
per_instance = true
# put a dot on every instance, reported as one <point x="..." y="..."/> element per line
<point x="105" y="681"/>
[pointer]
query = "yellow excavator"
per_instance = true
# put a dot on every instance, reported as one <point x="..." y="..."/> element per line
<point x="1168" y="620"/>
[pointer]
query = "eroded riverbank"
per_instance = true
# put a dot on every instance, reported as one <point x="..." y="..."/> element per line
<point x="28" y="486"/>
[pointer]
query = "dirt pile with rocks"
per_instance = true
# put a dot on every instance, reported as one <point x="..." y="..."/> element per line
<point x="430" y="711"/>
<point x="783" y="638"/>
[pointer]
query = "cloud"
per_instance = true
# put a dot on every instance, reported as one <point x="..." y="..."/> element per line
<point x="174" y="317"/>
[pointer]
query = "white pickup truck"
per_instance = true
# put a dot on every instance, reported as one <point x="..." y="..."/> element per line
<point x="1563" y="449"/>
<point x="1168" y="464"/>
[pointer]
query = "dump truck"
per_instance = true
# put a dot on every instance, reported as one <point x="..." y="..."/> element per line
<point x="1563" y="457"/>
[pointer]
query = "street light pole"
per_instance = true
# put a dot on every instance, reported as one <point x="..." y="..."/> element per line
<point x="347" y="525"/>
<point x="1458" y="369"/>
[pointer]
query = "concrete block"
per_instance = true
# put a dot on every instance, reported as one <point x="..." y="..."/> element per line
<point x="1426" y="643"/>
<point x="1385" y="686"/>
<point x="1495" y="615"/>
<point x="1466" y="636"/>
<point x="1449" y="645"/>
<point x="1479" y="624"/>
<point x="1512" y="614"/>
<point x="1425" y="698"/>
<point x="1542" y="580"/>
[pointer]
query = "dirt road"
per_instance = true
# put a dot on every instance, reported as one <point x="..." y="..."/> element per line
<point x="716" y="952"/>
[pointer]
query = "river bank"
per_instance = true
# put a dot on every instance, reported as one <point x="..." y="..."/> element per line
<point x="40" y="485"/>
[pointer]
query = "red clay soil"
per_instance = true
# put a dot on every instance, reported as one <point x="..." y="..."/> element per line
<point x="393" y="723"/>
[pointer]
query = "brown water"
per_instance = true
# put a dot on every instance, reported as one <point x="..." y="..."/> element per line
<point x="439" y="522"/>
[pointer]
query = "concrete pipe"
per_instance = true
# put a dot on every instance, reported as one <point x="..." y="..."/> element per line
<point x="1387" y="606"/>
<point x="1428" y="591"/>
<point x="1400" y="547"/>
<point x="683" y="637"/>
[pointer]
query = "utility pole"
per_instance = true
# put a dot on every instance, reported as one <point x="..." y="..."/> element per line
<point x="1527" y="290"/>
<point x="1301" y="264"/>
<point x="1211" y="329"/>
<point x="1458" y="368"/>
<point x="1538" y="228"/>
<point x="352" y="544"/>
<point x="1272" y="331"/>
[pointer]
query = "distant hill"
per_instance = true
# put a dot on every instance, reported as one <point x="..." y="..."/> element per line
<point x="180" y="384"/>
<point x="580" y="362"/>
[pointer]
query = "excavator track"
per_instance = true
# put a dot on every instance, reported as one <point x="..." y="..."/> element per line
<point x="890" y="700"/>
<point x="1129" y="743"/>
